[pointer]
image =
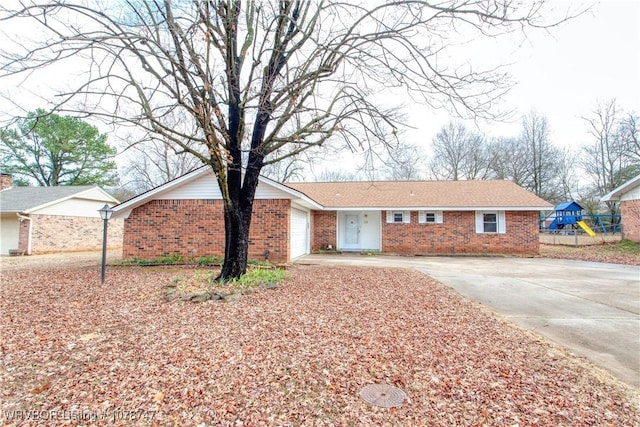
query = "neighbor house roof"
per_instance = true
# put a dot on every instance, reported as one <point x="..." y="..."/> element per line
<point x="623" y="189"/>
<point x="446" y="195"/>
<point x="29" y="199"/>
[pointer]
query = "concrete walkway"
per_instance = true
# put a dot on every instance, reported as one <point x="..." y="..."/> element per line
<point x="590" y="308"/>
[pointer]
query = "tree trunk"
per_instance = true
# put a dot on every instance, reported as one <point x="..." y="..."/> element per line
<point x="237" y="222"/>
<point x="236" y="250"/>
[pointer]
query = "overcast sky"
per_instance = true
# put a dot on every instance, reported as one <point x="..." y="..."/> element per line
<point x="562" y="75"/>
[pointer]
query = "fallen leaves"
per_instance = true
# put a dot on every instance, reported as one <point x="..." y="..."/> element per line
<point x="297" y="355"/>
<point x="41" y="389"/>
<point x="158" y="397"/>
<point x="593" y="253"/>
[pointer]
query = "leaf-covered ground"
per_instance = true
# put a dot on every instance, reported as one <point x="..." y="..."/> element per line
<point x="617" y="253"/>
<point x="76" y="353"/>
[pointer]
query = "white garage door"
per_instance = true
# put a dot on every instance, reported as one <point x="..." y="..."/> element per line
<point x="299" y="243"/>
<point x="9" y="232"/>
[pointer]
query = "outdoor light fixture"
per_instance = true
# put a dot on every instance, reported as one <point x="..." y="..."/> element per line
<point x="105" y="214"/>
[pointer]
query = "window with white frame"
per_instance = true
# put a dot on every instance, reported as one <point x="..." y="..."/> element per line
<point x="399" y="217"/>
<point x="430" y="217"/>
<point x="490" y="222"/>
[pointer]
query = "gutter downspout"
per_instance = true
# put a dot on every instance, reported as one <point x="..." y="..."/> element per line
<point x="23" y="218"/>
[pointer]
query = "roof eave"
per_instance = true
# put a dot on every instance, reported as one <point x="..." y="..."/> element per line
<point x="618" y="192"/>
<point x="79" y="194"/>
<point x="438" y="208"/>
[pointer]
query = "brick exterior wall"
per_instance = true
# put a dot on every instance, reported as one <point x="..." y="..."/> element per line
<point x="23" y="236"/>
<point x="457" y="235"/>
<point x="195" y="228"/>
<point x="630" y="211"/>
<point x="59" y="233"/>
<point x="323" y="230"/>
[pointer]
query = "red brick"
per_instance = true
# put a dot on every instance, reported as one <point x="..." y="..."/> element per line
<point x="323" y="230"/>
<point x="630" y="211"/>
<point x="61" y="233"/>
<point x="195" y="228"/>
<point x="457" y="235"/>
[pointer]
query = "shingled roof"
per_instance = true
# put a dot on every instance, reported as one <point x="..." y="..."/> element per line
<point x="445" y="195"/>
<point x="25" y="199"/>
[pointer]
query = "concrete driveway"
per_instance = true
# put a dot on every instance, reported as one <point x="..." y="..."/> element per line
<point x="590" y="308"/>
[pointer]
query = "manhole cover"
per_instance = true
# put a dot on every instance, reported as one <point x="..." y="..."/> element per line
<point x="383" y="395"/>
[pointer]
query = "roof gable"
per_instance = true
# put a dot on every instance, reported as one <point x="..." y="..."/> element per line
<point x="201" y="184"/>
<point x="30" y="199"/>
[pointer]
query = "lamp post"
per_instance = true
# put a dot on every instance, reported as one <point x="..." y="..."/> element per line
<point x="105" y="214"/>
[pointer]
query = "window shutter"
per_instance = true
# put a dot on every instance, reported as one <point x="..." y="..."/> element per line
<point x="439" y="219"/>
<point x="389" y="217"/>
<point x="479" y="222"/>
<point x="422" y="217"/>
<point x="406" y="217"/>
<point x="502" y="223"/>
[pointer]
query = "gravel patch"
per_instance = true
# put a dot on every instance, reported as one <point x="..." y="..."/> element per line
<point x="296" y="355"/>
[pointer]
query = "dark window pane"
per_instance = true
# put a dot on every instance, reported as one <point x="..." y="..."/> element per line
<point x="490" y="222"/>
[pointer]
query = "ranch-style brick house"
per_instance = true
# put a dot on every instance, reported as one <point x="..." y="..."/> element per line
<point x="38" y="220"/>
<point x="185" y="217"/>
<point x="628" y="194"/>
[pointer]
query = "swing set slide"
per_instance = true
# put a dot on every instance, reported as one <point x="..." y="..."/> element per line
<point x="586" y="228"/>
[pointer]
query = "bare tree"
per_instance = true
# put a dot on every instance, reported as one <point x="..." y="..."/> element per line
<point x="510" y="160"/>
<point x="629" y="130"/>
<point x="477" y="159"/>
<point x="567" y="178"/>
<point x="404" y="163"/>
<point x="289" y="169"/>
<point x="544" y="158"/>
<point x="336" y="175"/>
<point x="152" y="163"/>
<point x="248" y="79"/>
<point x="607" y="161"/>
<point x="459" y="153"/>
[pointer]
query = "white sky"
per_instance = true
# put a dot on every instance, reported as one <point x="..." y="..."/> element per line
<point x="563" y="75"/>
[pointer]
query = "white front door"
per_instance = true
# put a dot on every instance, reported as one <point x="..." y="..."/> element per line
<point x="352" y="231"/>
<point x="359" y="231"/>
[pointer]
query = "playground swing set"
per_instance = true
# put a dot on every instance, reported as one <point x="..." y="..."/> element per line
<point x="567" y="218"/>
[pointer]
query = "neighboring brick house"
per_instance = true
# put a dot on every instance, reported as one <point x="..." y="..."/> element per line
<point x="185" y="216"/>
<point x="36" y="220"/>
<point x="628" y="194"/>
